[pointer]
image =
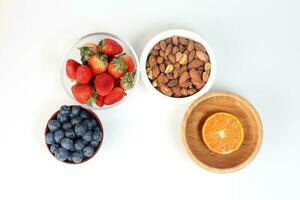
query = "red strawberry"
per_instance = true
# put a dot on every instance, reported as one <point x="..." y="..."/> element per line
<point x="117" y="68"/>
<point x="104" y="83"/>
<point x="109" y="47"/>
<point x="98" y="64"/>
<point x="93" y="47"/>
<point x="99" y="100"/>
<point x="116" y="95"/>
<point x="86" y="51"/>
<point x="126" y="82"/>
<point x="128" y="61"/>
<point x="83" y="74"/>
<point x="83" y="93"/>
<point x="71" y="68"/>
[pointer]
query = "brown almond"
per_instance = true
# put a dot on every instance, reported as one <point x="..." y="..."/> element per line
<point x="196" y="78"/>
<point x="168" y="40"/>
<point x="198" y="46"/>
<point x="175" y="50"/>
<point x="173" y="82"/>
<point x="181" y="48"/>
<point x="183" y="41"/>
<point x="176" y="91"/>
<point x="190" y="46"/>
<point x="202" y="55"/>
<point x="175" y="40"/>
<point x="162" y="67"/>
<point x="183" y="92"/>
<point x="162" y="45"/>
<point x="162" y="79"/>
<point x="156" y="47"/>
<point x="183" y="68"/>
<point x="168" y="49"/>
<point x="183" y="78"/>
<point x="166" y="90"/>
<point x="205" y="76"/>
<point x="178" y="56"/>
<point x="170" y="76"/>
<point x="176" y="72"/>
<point x="172" y="58"/>
<point x="186" y="84"/>
<point x="152" y="61"/>
<point x="191" y="91"/>
<point x="166" y="62"/>
<point x="207" y="66"/>
<point x="191" y="55"/>
<point x="159" y="60"/>
<point x="195" y="64"/>
<point x="154" y="52"/>
<point x="162" y="54"/>
<point x="155" y="71"/>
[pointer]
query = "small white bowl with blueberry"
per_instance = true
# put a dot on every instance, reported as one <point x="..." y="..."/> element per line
<point x="73" y="134"/>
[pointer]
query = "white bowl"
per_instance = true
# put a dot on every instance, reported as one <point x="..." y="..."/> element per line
<point x="181" y="33"/>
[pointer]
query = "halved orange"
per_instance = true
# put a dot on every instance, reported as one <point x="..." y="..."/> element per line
<point x="223" y="133"/>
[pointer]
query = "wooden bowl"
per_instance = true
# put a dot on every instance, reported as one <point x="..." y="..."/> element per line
<point x="209" y="104"/>
<point x="98" y="123"/>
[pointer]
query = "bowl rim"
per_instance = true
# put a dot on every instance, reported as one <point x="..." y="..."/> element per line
<point x="215" y="169"/>
<point x="112" y="35"/>
<point x="182" y="33"/>
<point x="54" y="115"/>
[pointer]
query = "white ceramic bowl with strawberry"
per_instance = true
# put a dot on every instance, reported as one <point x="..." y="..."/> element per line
<point x="100" y="70"/>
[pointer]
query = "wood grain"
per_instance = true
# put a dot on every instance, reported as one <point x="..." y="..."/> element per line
<point x="209" y="104"/>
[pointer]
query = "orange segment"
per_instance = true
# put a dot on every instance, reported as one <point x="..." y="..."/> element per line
<point x="223" y="133"/>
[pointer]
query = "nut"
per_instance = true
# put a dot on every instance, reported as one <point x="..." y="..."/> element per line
<point x="159" y="60"/>
<point x="190" y="46"/>
<point x="162" y="67"/>
<point x="162" y="54"/>
<point x="191" y="55"/>
<point x="155" y="71"/>
<point x="169" y="68"/>
<point x="172" y="58"/>
<point x="199" y="47"/>
<point x="162" y="79"/>
<point x="205" y="76"/>
<point x="207" y="66"/>
<point x="183" y="69"/>
<point x="175" y="50"/>
<point x="154" y="83"/>
<point x="191" y="91"/>
<point x="181" y="48"/>
<point x="184" y="77"/>
<point x="163" y="45"/>
<point x="170" y="76"/>
<point x="202" y="55"/>
<point x="196" y="79"/>
<point x="176" y="72"/>
<point x="173" y="82"/>
<point x="183" y="59"/>
<point x="183" y="92"/>
<point x="176" y="91"/>
<point x="154" y="52"/>
<point x="168" y="49"/>
<point x="149" y="73"/>
<point x="165" y="90"/>
<point x="175" y="40"/>
<point x="195" y="64"/>
<point x="186" y="84"/>
<point x="168" y="40"/>
<point x="152" y="61"/>
<point x="178" y="56"/>
<point x="156" y="47"/>
<point x="182" y="41"/>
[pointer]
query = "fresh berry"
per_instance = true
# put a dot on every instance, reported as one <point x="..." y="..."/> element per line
<point x="54" y="147"/>
<point x="127" y="81"/>
<point x="109" y="47"/>
<point x="75" y="111"/>
<point x="67" y="125"/>
<point x="53" y="125"/>
<point x="128" y="62"/>
<point x="97" y="135"/>
<point x="70" y="157"/>
<point x="94" y="143"/>
<point x="62" y="118"/>
<point x="61" y="154"/>
<point x="49" y="137"/>
<point x="117" y="68"/>
<point x="71" y="68"/>
<point x="70" y="133"/>
<point x="86" y="51"/>
<point x="80" y="129"/>
<point x="99" y="100"/>
<point x="87" y="137"/>
<point x="116" y="95"/>
<point x="78" y="144"/>
<point x="77" y="156"/>
<point x="91" y="123"/>
<point x="59" y="135"/>
<point x="84" y="115"/>
<point x="83" y="93"/>
<point x="83" y="74"/>
<point x="93" y="47"/>
<point x="67" y="143"/>
<point x="98" y="63"/>
<point x="88" y="151"/>
<point x="65" y="110"/>
<point x="76" y="120"/>
<point x="103" y="83"/>
<point x="110" y="58"/>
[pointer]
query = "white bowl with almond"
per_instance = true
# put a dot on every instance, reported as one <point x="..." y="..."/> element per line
<point x="179" y="65"/>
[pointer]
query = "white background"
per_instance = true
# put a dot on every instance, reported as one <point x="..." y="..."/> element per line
<point x="256" y="44"/>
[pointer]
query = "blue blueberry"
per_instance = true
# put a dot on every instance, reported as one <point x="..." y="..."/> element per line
<point x="49" y="137"/>
<point x="59" y="135"/>
<point x="69" y="157"/>
<point x="75" y="111"/>
<point x="65" y="110"/>
<point x="77" y="156"/>
<point x="67" y="143"/>
<point x="70" y="133"/>
<point x="87" y="137"/>
<point x="78" y="144"/>
<point x="54" y="147"/>
<point x="88" y="151"/>
<point x="67" y="125"/>
<point x="62" y="118"/>
<point x="94" y="143"/>
<point x="80" y="129"/>
<point x="91" y="123"/>
<point x="61" y="154"/>
<point x="76" y="120"/>
<point x="97" y="135"/>
<point x="96" y="128"/>
<point x="84" y="115"/>
<point x="53" y="125"/>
